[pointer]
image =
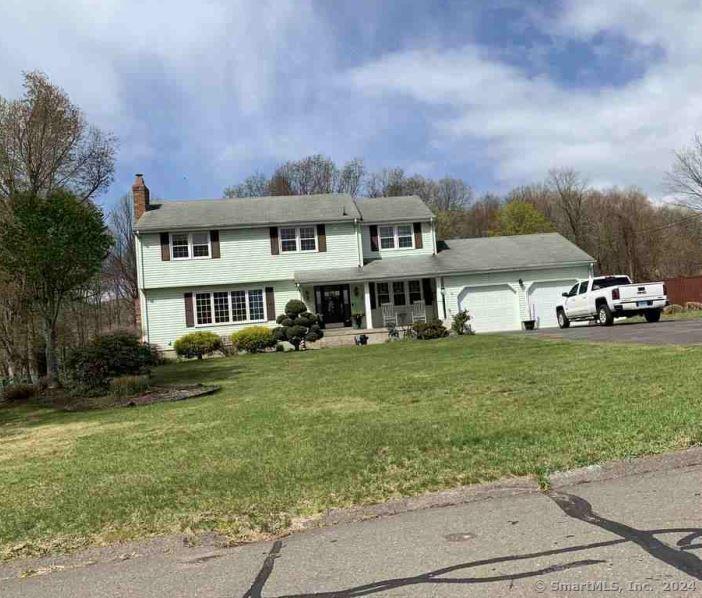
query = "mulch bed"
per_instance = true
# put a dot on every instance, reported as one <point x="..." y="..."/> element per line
<point x="156" y="394"/>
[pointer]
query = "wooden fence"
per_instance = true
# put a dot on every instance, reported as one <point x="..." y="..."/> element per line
<point x="683" y="289"/>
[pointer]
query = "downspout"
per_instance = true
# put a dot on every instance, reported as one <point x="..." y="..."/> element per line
<point x="359" y="235"/>
<point x="433" y="233"/>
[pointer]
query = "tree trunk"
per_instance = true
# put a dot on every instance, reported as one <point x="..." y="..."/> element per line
<point x="50" y="341"/>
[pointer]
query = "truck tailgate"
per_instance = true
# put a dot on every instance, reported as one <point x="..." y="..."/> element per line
<point x="635" y="292"/>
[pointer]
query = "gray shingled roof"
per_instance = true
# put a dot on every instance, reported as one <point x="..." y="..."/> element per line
<point x="288" y="209"/>
<point x="248" y="211"/>
<point x="460" y="256"/>
<point x="393" y="209"/>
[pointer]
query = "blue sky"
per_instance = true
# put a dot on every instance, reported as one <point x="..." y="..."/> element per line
<point x="496" y="92"/>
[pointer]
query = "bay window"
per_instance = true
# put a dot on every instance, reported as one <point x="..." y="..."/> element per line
<point x="229" y="307"/>
<point x="399" y="292"/>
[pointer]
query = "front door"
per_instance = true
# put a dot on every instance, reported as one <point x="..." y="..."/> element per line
<point x="334" y="303"/>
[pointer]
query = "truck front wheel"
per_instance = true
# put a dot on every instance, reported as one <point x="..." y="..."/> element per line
<point x="604" y="315"/>
<point x="563" y="321"/>
<point x="652" y="315"/>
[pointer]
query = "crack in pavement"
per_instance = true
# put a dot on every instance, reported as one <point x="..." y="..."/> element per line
<point x="573" y="506"/>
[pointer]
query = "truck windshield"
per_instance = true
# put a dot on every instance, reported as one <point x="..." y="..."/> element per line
<point x="610" y="281"/>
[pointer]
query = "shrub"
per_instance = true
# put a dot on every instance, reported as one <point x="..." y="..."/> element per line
<point x="297" y="324"/>
<point x="693" y="306"/>
<point x="197" y="344"/>
<point x="429" y="330"/>
<point x="18" y="392"/>
<point x="461" y="323"/>
<point x="673" y="308"/>
<point x="89" y="369"/>
<point x="254" y="339"/>
<point x="128" y="386"/>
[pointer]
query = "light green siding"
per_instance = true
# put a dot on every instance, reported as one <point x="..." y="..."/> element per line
<point x="165" y="311"/>
<point x="453" y="285"/>
<point x="427" y="245"/>
<point x="245" y="257"/>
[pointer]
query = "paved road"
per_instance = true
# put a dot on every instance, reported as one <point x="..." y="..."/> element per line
<point x="675" y="332"/>
<point x="641" y="532"/>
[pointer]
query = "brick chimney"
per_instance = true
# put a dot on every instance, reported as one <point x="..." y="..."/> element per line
<point x="140" y="195"/>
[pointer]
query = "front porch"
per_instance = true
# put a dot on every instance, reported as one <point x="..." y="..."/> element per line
<point x="373" y="305"/>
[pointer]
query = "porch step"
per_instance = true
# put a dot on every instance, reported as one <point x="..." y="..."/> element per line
<point x="345" y="337"/>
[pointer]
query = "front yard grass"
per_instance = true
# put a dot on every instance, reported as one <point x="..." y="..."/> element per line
<point x="290" y="435"/>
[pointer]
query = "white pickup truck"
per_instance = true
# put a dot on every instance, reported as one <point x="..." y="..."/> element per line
<point x="607" y="297"/>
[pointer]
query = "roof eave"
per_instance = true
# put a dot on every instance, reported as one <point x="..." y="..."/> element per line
<point x="156" y="229"/>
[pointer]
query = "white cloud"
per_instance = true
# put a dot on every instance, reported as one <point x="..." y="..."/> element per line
<point x="616" y="135"/>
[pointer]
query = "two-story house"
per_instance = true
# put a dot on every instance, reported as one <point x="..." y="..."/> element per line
<point x="225" y="264"/>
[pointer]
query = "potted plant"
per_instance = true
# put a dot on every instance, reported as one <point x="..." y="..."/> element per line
<point x="529" y="324"/>
<point x="357" y="319"/>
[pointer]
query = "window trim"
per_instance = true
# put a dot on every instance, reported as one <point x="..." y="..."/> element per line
<point x="391" y="294"/>
<point x="395" y="237"/>
<point x="298" y="242"/>
<point x="230" y="321"/>
<point x="191" y="255"/>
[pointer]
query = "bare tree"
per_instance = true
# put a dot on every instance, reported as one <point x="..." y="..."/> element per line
<point x="350" y="177"/>
<point x="570" y="189"/>
<point x="256" y="185"/>
<point x="386" y="183"/>
<point x="685" y="178"/>
<point x="120" y="267"/>
<point x="452" y="194"/>
<point x="46" y="144"/>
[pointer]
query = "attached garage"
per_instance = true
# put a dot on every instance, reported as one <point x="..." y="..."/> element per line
<point x="492" y="307"/>
<point x="544" y="296"/>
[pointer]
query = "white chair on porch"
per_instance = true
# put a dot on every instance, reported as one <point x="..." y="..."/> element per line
<point x="419" y="312"/>
<point x="389" y="314"/>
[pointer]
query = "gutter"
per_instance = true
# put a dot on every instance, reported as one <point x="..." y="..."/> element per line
<point x="365" y="276"/>
<point x="219" y="226"/>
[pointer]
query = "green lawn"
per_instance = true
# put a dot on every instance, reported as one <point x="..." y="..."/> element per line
<point x="291" y="435"/>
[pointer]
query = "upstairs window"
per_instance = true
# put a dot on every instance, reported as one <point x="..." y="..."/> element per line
<point x="288" y="239"/>
<point x="404" y="236"/>
<point x="201" y="244"/>
<point x="298" y="238"/>
<point x="398" y="236"/>
<point x="387" y="237"/>
<point x="195" y="245"/>
<point x="180" y="246"/>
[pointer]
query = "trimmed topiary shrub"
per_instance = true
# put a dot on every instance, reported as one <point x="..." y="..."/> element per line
<point x="297" y="324"/>
<point x="129" y="386"/>
<point x="254" y="339"/>
<point x="429" y="330"/>
<point x="197" y="344"/>
<point x="18" y="392"/>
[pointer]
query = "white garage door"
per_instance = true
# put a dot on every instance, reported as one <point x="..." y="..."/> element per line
<point x="492" y="308"/>
<point x="543" y="299"/>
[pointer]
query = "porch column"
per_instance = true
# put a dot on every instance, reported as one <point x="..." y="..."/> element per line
<point x="441" y="312"/>
<point x="369" y="312"/>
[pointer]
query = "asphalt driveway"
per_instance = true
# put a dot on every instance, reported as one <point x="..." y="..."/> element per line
<point x="672" y="332"/>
